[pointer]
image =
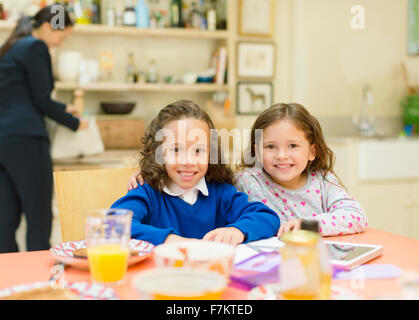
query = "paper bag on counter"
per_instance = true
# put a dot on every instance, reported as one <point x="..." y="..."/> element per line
<point x="66" y="143"/>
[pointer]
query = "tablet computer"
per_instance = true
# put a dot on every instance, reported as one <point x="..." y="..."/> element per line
<point x="346" y="256"/>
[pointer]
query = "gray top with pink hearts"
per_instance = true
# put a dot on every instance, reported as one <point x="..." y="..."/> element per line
<point x="322" y="198"/>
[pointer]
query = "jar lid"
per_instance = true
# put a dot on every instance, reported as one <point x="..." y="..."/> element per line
<point x="301" y="237"/>
<point x="310" y="225"/>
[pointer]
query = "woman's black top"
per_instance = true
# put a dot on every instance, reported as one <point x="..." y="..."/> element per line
<point x="26" y="83"/>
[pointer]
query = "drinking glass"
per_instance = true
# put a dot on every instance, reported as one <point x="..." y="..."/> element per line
<point x="108" y="232"/>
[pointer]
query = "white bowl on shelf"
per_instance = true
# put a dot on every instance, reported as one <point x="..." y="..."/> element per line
<point x="69" y="65"/>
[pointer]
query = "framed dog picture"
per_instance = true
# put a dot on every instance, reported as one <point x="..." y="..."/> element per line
<point x="255" y="60"/>
<point x="253" y="97"/>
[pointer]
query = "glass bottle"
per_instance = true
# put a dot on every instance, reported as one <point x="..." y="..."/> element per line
<point x="326" y="268"/>
<point x="152" y="72"/>
<point x="142" y="12"/>
<point x="110" y="15"/>
<point x="211" y="16"/>
<point x="195" y="16"/>
<point x="131" y="69"/>
<point x="176" y="14"/>
<point x="300" y="271"/>
<point x="129" y="17"/>
<point x="96" y="12"/>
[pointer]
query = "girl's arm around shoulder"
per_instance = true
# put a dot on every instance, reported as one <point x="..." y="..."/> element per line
<point x="342" y="213"/>
<point x="138" y="200"/>
<point x="254" y="219"/>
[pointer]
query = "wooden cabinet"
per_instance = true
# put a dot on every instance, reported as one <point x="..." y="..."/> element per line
<point x="390" y="204"/>
<point x="120" y="133"/>
<point x="387" y="205"/>
<point x="414" y="213"/>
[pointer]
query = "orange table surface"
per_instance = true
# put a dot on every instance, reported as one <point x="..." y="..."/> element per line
<point x="27" y="267"/>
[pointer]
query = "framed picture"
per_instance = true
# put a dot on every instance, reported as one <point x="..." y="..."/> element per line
<point x="413" y="28"/>
<point x="253" y="97"/>
<point x="255" y="60"/>
<point x="256" y="18"/>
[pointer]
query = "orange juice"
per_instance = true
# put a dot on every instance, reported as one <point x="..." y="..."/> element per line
<point x="107" y="262"/>
<point x="325" y="286"/>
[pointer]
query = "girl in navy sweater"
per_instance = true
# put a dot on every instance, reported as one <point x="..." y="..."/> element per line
<point x="188" y="193"/>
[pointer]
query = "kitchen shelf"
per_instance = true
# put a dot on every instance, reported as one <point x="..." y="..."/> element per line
<point x="150" y="32"/>
<point x="150" y="87"/>
<point x="97" y="29"/>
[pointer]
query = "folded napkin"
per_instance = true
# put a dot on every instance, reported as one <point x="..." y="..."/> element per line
<point x="372" y="271"/>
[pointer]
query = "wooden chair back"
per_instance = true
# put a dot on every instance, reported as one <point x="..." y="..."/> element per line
<point x="80" y="191"/>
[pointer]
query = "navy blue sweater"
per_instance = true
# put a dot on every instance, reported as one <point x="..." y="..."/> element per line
<point x="157" y="214"/>
<point x="26" y="83"/>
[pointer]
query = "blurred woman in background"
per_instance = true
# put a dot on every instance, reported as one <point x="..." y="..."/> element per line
<point x="26" y="83"/>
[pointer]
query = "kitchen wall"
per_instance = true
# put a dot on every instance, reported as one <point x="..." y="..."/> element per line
<point x="321" y="61"/>
<point x="327" y="63"/>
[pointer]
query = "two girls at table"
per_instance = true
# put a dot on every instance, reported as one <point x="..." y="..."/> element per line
<point x="189" y="194"/>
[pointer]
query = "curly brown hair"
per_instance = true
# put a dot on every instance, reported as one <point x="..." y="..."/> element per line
<point x="325" y="158"/>
<point x="155" y="173"/>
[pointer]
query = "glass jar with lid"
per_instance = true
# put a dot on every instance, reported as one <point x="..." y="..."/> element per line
<point x="300" y="268"/>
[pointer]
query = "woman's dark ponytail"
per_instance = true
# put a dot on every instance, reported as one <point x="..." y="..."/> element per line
<point x="26" y="25"/>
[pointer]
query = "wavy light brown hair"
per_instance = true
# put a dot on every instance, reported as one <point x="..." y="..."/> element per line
<point x="155" y="173"/>
<point x="303" y="120"/>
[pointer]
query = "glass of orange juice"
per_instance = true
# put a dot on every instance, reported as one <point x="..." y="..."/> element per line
<point x="108" y="232"/>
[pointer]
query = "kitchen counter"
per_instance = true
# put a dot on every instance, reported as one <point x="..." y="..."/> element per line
<point x="107" y="159"/>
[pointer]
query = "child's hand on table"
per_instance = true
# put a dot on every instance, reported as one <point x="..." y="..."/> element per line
<point x="229" y="235"/>
<point x="290" y="225"/>
<point x="133" y="181"/>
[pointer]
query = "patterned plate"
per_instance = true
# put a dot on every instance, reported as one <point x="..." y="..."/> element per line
<point x="64" y="252"/>
<point x="270" y="292"/>
<point x="85" y="290"/>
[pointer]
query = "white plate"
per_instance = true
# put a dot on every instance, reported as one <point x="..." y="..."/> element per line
<point x="85" y="290"/>
<point x="64" y="252"/>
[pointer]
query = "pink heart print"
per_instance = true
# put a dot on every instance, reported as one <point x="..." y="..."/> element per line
<point x="264" y="200"/>
<point x="317" y="191"/>
<point x="303" y="203"/>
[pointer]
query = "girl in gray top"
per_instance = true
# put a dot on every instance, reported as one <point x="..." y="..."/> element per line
<point x="293" y="173"/>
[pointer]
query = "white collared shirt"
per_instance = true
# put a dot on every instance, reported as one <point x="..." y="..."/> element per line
<point x="189" y="195"/>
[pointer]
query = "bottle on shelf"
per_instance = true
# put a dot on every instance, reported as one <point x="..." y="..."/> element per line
<point x="131" y="75"/>
<point x="195" y="17"/>
<point x="201" y="9"/>
<point x="96" y="12"/>
<point x="152" y="72"/>
<point x="110" y="15"/>
<point x="81" y="12"/>
<point x="142" y="14"/>
<point x="129" y="17"/>
<point x="69" y="7"/>
<point x="176" y="14"/>
<point x="212" y="16"/>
